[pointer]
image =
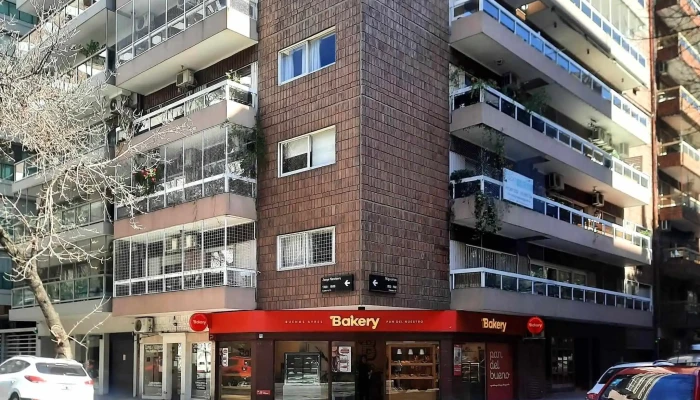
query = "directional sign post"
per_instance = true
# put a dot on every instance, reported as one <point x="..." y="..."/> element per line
<point x="383" y="284"/>
<point x="338" y="283"/>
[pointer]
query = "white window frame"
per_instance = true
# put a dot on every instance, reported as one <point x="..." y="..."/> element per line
<point x="306" y="248"/>
<point x="305" y="62"/>
<point x="308" y="136"/>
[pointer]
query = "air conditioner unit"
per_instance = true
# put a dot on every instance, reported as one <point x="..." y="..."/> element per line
<point x="185" y="79"/>
<point x="555" y="182"/>
<point x="598" y="199"/>
<point x="662" y="67"/>
<point x="172" y="243"/>
<point x="665" y="225"/>
<point x="598" y="136"/>
<point x="129" y="100"/>
<point x="143" y="325"/>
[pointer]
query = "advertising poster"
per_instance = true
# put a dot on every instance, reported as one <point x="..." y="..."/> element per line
<point x="457" y="362"/>
<point x="499" y="372"/>
<point x="342" y="359"/>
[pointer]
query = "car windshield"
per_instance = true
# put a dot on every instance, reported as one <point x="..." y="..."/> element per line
<point x="651" y="386"/>
<point x="608" y="374"/>
<point x="60" y="369"/>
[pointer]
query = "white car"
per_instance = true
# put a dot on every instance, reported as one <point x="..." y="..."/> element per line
<point x="595" y="391"/>
<point x="38" y="378"/>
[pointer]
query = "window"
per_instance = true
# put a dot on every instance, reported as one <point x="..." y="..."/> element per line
<point x="235" y="370"/>
<point x="307" y="152"/>
<point x="12" y="366"/>
<point x="306" y="249"/>
<point x="307" y="57"/>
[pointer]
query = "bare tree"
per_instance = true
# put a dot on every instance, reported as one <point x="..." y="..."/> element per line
<point x="68" y="128"/>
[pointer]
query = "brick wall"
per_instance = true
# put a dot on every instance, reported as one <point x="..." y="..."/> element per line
<point x="405" y="150"/>
<point x="327" y="196"/>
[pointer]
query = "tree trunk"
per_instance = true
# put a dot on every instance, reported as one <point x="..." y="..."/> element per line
<point x="53" y="321"/>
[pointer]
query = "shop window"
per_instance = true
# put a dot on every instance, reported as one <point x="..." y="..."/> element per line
<point x="235" y="371"/>
<point x="152" y="364"/>
<point x="301" y="370"/>
<point x="201" y="370"/>
<point x="349" y="376"/>
<point x="413" y="368"/>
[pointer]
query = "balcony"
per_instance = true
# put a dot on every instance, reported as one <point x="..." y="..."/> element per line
<point x="679" y="15"/>
<point x="29" y="174"/>
<point x="486" y="280"/>
<point x="97" y="70"/>
<point x="619" y="61"/>
<point x="679" y="109"/>
<point x="681" y="210"/>
<point x="680" y="160"/>
<point x="204" y="109"/>
<point x="495" y="37"/>
<point x="205" y="265"/>
<point x="554" y="225"/>
<point x="73" y="297"/>
<point x="194" y="34"/>
<point x="681" y="263"/>
<point x="208" y="174"/>
<point x="580" y="162"/>
<point x="679" y="60"/>
<point x="680" y="314"/>
<point x="89" y="19"/>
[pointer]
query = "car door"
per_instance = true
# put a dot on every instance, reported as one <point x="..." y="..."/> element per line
<point x="6" y="379"/>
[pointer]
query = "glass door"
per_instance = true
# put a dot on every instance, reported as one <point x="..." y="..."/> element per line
<point x="152" y="371"/>
<point x="175" y="370"/>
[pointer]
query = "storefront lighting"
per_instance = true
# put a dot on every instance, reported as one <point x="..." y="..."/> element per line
<point x="421" y="352"/>
<point x="410" y="352"/>
<point x="398" y="352"/>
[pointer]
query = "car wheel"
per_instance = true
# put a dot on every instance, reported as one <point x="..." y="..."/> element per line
<point x="14" y="396"/>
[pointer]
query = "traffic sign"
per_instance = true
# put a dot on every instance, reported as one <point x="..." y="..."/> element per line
<point x="338" y="283"/>
<point x="383" y="284"/>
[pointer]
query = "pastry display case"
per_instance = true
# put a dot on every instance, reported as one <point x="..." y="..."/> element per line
<point x="413" y="371"/>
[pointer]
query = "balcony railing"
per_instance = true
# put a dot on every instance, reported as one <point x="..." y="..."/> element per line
<point x="67" y="291"/>
<point x="56" y="21"/>
<point x="550" y="208"/>
<point x="222" y="91"/>
<point x="508" y="106"/>
<point x="679" y="199"/>
<point x="205" y="164"/>
<point x="136" y="33"/>
<point x="682" y="253"/>
<point x="479" y="257"/>
<point x="29" y="166"/>
<point x="680" y="147"/>
<point x="678" y="40"/>
<point x="678" y="93"/>
<point x="463" y="8"/>
<point x="209" y="253"/>
<point x="511" y="282"/>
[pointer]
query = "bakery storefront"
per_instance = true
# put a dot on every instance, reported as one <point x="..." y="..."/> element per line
<point x="343" y="355"/>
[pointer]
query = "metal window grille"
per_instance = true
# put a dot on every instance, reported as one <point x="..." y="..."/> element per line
<point x="306" y="249"/>
<point x="213" y="252"/>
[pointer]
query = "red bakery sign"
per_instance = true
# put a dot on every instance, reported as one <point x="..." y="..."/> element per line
<point x="535" y="325"/>
<point x="198" y="322"/>
<point x="362" y="321"/>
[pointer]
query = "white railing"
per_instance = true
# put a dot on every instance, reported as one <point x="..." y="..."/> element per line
<point x="222" y="91"/>
<point x="170" y="22"/>
<point x="685" y="148"/>
<point x="512" y="108"/>
<point x="556" y="210"/>
<point x="507" y="281"/>
<point x="537" y="42"/>
<point x="66" y="291"/>
<point x="478" y="257"/>
<point x="679" y="199"/>
<point x="29" y="166"/>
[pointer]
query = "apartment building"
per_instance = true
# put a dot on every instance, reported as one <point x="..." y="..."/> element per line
<point x="449" y="197"/>
<point x="677" y="126"/>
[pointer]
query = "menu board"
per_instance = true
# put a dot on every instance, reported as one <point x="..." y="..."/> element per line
<point x="302" y="368"/>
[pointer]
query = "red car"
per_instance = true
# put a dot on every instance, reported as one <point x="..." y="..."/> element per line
<point x="654" y="383"/>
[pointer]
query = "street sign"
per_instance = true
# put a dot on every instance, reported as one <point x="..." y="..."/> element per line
<point x="338" y="283"/>
<point x="383" y="284"/>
